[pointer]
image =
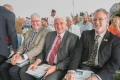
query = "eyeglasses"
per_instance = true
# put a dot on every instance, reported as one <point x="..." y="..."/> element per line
<point x="35" y="21"/>
<point x="99" y="19"/>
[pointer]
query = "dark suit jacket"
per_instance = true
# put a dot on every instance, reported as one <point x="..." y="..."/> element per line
<point x="108" y="54"/>
<point x="65" y="50"/>
<point x="7" y="27"/>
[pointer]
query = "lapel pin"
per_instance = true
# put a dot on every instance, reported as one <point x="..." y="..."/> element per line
<point x="105" y="40"/>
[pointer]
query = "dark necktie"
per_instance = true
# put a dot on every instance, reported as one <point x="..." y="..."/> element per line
<point x="54" y="51"/>
<point x="91" y="60"/>
<point x="28" y="44"/>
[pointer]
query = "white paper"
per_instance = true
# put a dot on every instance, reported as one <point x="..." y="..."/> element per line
<point x="20" y="61"/>
<point x="39" y="71"/>
<point x="83" y="74"/>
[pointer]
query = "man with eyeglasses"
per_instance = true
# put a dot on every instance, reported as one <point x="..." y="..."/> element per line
<point x="98" y="50"/>
<point x="31" y="47"/>
<point x="57" y="52"/>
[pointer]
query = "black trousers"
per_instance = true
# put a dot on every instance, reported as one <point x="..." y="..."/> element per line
<point x="9" y="72"/>
<point x="2" y="59"/>
<point x="57" y="75"/>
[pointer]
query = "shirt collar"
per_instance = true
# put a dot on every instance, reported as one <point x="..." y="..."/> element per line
<point x="101" y="35"/>
<point x="61" y="35"/>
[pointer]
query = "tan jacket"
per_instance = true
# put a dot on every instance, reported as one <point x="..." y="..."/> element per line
<point x="36" y="45"/>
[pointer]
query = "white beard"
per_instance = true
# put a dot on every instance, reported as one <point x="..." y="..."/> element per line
<point x="98" y="30"/>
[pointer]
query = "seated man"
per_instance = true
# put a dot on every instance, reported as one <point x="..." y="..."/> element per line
<point x="71" y="27"/>
<point x="31" y="47"/>
<point x="57" y="52"/>
<point x="98" y="50"/>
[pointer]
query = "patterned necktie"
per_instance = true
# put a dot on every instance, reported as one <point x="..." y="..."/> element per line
<point x="91" y="60"/>
<point x="54" y="51"/>
<point x="28" y="44"/>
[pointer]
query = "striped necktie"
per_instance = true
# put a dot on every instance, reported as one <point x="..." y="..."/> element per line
<point x="28" y="44"/>
<point x="54" y="51"/>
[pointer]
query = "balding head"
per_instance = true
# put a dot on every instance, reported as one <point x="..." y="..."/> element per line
<point x="60" y="24"/>
<point x="9" y="7"/>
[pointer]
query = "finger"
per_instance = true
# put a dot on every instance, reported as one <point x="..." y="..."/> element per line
<point x="30" y="67"/>
<point x="34" y="67"/>
<point x="67" y="77"/>
<point x="46" y="69"/>
<point x="46" y="74"/>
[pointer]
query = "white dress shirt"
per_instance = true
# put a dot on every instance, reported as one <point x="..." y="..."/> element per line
<point x="53" y="45"/>
<point x="51" y="22"/>
<point x="75" y="29"/>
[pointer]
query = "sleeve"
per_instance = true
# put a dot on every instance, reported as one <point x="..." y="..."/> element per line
<point x="76" y="57"/>
<point x="11" y="30"/>
<point x="112" y="65"/>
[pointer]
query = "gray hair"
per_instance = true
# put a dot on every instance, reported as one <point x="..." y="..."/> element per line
<point x="102" y="10"/>
<point x="35" y="14"/>
<point x="69" y="17"/>
<point x="60" y="17"/>
<point x="9" y="7"/>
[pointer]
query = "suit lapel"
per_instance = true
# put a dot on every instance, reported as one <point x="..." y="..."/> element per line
<point x="63" y="40"/>
<point x="91" y="37"/>
<point x="28" y="37"/>
<point x="104" y="40"/>
<point x="38" y="33"/>
<point x="52" y="39"/>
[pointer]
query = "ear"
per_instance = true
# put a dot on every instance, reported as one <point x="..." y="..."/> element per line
<point x="108" y="21"/>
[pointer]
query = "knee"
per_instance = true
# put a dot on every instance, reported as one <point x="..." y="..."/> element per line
<point x="21" y="71"/>
<point x="13" y="70"/>
<point x="1" y="69"/>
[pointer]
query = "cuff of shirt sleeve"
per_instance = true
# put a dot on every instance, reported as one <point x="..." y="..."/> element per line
<point x="18" y="52"/>
<point x="25" y="56"/>
<point x="39" y="60"/>
<point x="99" y="77"/>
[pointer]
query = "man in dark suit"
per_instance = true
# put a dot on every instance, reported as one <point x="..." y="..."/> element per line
<point x="106" y="59"/>
<point x="62" y="53"/>
<point x="7" y="29"/>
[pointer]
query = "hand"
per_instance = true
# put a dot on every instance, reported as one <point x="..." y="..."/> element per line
<point x="15" y="56"/>
<point x="13" y="59"/>
<point x="50" y="70"/>
<point x="34" y="65"/>
<point x="92" y="78"/>
<point x="70" y="76"/>
<point x="13" y="62"/>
